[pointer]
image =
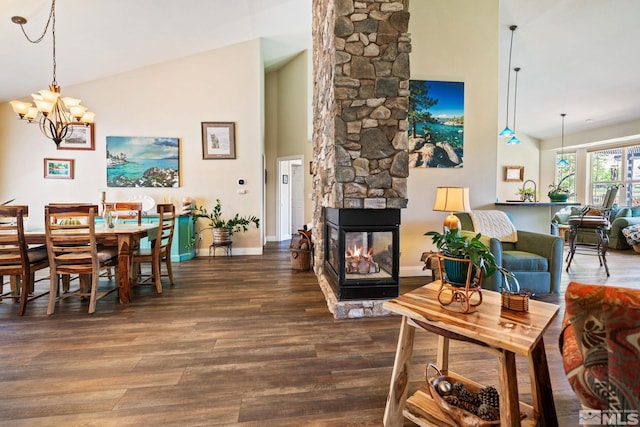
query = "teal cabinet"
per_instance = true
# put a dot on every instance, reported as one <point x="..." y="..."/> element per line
<point x="181" y="247"/>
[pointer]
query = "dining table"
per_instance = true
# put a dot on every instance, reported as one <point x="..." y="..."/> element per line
<point x="124" y="236"/>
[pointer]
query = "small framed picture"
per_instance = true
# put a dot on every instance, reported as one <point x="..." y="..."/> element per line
<point x="80" y="137"/>
<point x="58" y="168"/>
<point x="218" y="140"/>
<point x="514" y="173"/>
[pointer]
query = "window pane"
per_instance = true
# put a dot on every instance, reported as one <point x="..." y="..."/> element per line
<point x="565" y="175"/>
<point x="605" y="165"/>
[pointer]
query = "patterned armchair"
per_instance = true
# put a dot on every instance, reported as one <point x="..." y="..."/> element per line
<point x="600" y="346"/>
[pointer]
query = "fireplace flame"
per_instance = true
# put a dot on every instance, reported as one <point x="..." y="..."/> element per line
<point x="359" y="262"/>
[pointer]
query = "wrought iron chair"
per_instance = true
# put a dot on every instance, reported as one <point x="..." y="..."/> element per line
<point x="596" y="219"/>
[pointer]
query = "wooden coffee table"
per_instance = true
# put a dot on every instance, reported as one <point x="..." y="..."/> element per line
<point x="500" y="331"/>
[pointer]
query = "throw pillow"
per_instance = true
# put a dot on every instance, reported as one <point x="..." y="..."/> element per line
<point x="576" y="210"/>
<point x="635" y="211"/>
<point x="594" y="211"/>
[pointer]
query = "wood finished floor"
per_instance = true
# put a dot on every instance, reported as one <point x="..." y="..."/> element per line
<point x="238" y="341"/>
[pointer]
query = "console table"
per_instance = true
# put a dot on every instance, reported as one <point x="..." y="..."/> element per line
<point x="500" y="331"/>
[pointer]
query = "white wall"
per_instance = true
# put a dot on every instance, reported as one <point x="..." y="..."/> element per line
<point x="454" y="40"/>
<point x="169" y="99"/>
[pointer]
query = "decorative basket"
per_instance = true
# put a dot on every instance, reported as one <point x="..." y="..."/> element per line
<point x="514" y="298"/>
<point x="459" y="416"/>
<point x="301" y="250"/>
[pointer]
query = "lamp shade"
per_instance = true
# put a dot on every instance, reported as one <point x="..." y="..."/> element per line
<point x="452" y="199"/>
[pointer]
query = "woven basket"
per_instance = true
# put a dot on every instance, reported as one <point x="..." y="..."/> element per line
<point x="514" y="299"/>
<point x="301" y="250"/>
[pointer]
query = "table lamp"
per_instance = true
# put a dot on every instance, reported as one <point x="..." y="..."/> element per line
<point x="452" y="199"/>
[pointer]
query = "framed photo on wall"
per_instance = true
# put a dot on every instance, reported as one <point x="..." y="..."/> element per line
<point x="514" y="173"/>
<point x="218" y="140"/>
<point x="81" y="137"/>
<point x="58" y="168"/>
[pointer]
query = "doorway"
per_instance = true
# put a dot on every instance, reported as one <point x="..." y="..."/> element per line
<point x="290" y="196"/>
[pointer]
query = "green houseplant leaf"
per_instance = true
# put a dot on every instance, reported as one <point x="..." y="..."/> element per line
<point x="235" y="224"/>
<point x="452" y="243"/>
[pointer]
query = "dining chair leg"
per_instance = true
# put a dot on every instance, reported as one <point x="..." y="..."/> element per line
<point x="94" y="290"/>
<point x="54" y="285"/>
<point x="157" y="270"/>
<point x="25" y="286"/>
<point x="169" y="271"/>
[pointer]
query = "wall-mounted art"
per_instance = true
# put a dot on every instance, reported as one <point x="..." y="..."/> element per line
<point x="58" y="168"/>
<point x="514" y="173"/>
<point x="134" y="161"/>
<point x="218" y="140"/>
<point x="436" y="124"/>
<point x="80" y="137"/>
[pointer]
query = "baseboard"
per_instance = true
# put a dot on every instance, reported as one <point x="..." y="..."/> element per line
<point x="413" y="271"/>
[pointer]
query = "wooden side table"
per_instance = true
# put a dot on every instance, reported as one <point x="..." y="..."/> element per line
<point x="500" y="331"/>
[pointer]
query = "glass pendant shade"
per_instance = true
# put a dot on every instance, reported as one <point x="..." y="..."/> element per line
<point x="506" y="132"/>
<point x="562" y="162"/>
<point x="513" y="141"/>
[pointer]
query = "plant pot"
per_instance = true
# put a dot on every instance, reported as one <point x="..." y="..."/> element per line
<point x="221" y="235"/>
<point x="456" y="270"/>
<point x="558" y="197"/>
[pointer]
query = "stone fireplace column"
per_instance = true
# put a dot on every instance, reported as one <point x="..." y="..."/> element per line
<point x="360" y="104"/>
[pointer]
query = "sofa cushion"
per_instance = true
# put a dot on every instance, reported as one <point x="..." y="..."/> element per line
<point x="624" y="212"/>
<point x="635" y="211"/>
<point x="524" y="261"/>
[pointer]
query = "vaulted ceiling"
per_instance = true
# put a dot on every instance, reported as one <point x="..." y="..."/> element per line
<point x="576" y="56"/>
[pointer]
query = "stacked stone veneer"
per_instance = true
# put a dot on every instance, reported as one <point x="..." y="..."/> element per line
<point x="361" y="96"/>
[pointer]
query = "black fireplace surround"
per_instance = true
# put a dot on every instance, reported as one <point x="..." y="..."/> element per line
<point x="362" y="251"/>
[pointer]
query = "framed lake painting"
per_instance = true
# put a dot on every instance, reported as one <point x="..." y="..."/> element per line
<point x="134" y="161"/>
<point x="436" y="124"/>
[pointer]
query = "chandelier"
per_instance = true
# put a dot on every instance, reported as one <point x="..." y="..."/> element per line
<point x="54" y="114"/>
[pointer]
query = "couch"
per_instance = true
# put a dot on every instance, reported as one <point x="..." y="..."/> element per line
<point x="535" y="259"/>
<point x="619" y="218"/>
<point x="599" y="345"/>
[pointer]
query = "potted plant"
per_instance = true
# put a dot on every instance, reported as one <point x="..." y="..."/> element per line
<point x="453" y="244"/>
<point x="558" y="193"/>
<point x="223" y="229"/>
<point x="527" y="194"/>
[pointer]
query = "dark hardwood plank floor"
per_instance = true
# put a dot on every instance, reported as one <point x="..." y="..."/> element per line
<point x="238" y="341"/>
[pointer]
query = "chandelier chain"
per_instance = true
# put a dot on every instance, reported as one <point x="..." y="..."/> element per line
<point x="51" y="20"/>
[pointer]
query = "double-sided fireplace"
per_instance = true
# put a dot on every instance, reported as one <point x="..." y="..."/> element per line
<point x="362" y="251"/>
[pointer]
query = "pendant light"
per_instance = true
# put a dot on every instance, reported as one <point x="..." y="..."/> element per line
<point x="507" y="131"/>
<point x="514" y="139"/>
<point x="562" y="162"/>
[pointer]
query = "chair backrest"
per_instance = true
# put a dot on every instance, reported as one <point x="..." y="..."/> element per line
<point x="610" y="197"/>
<point x="166" y="223"/>
<point x="125" y="210"/>
<point x="70" y="236"/>
<point x="13" y="247"/>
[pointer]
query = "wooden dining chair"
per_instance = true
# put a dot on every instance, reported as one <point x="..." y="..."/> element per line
<point x="160" y="250"/>
<point x="125" y="210"/>
<point x="72" y="249"/>
<point x="16" y="259"/>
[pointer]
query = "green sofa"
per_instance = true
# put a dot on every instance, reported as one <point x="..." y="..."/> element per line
<point x="619" y="218"/>
<point x="536" y="259"/>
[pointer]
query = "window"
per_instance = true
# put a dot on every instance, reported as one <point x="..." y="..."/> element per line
<point x="566" y="175"/>
<point x="616" y="166"/>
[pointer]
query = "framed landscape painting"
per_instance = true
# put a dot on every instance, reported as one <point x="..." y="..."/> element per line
<point x="436" y="124"/>
<point x="58" y="168"/>
<point x="134" y="161"/>
<point x="80" y="137"/>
